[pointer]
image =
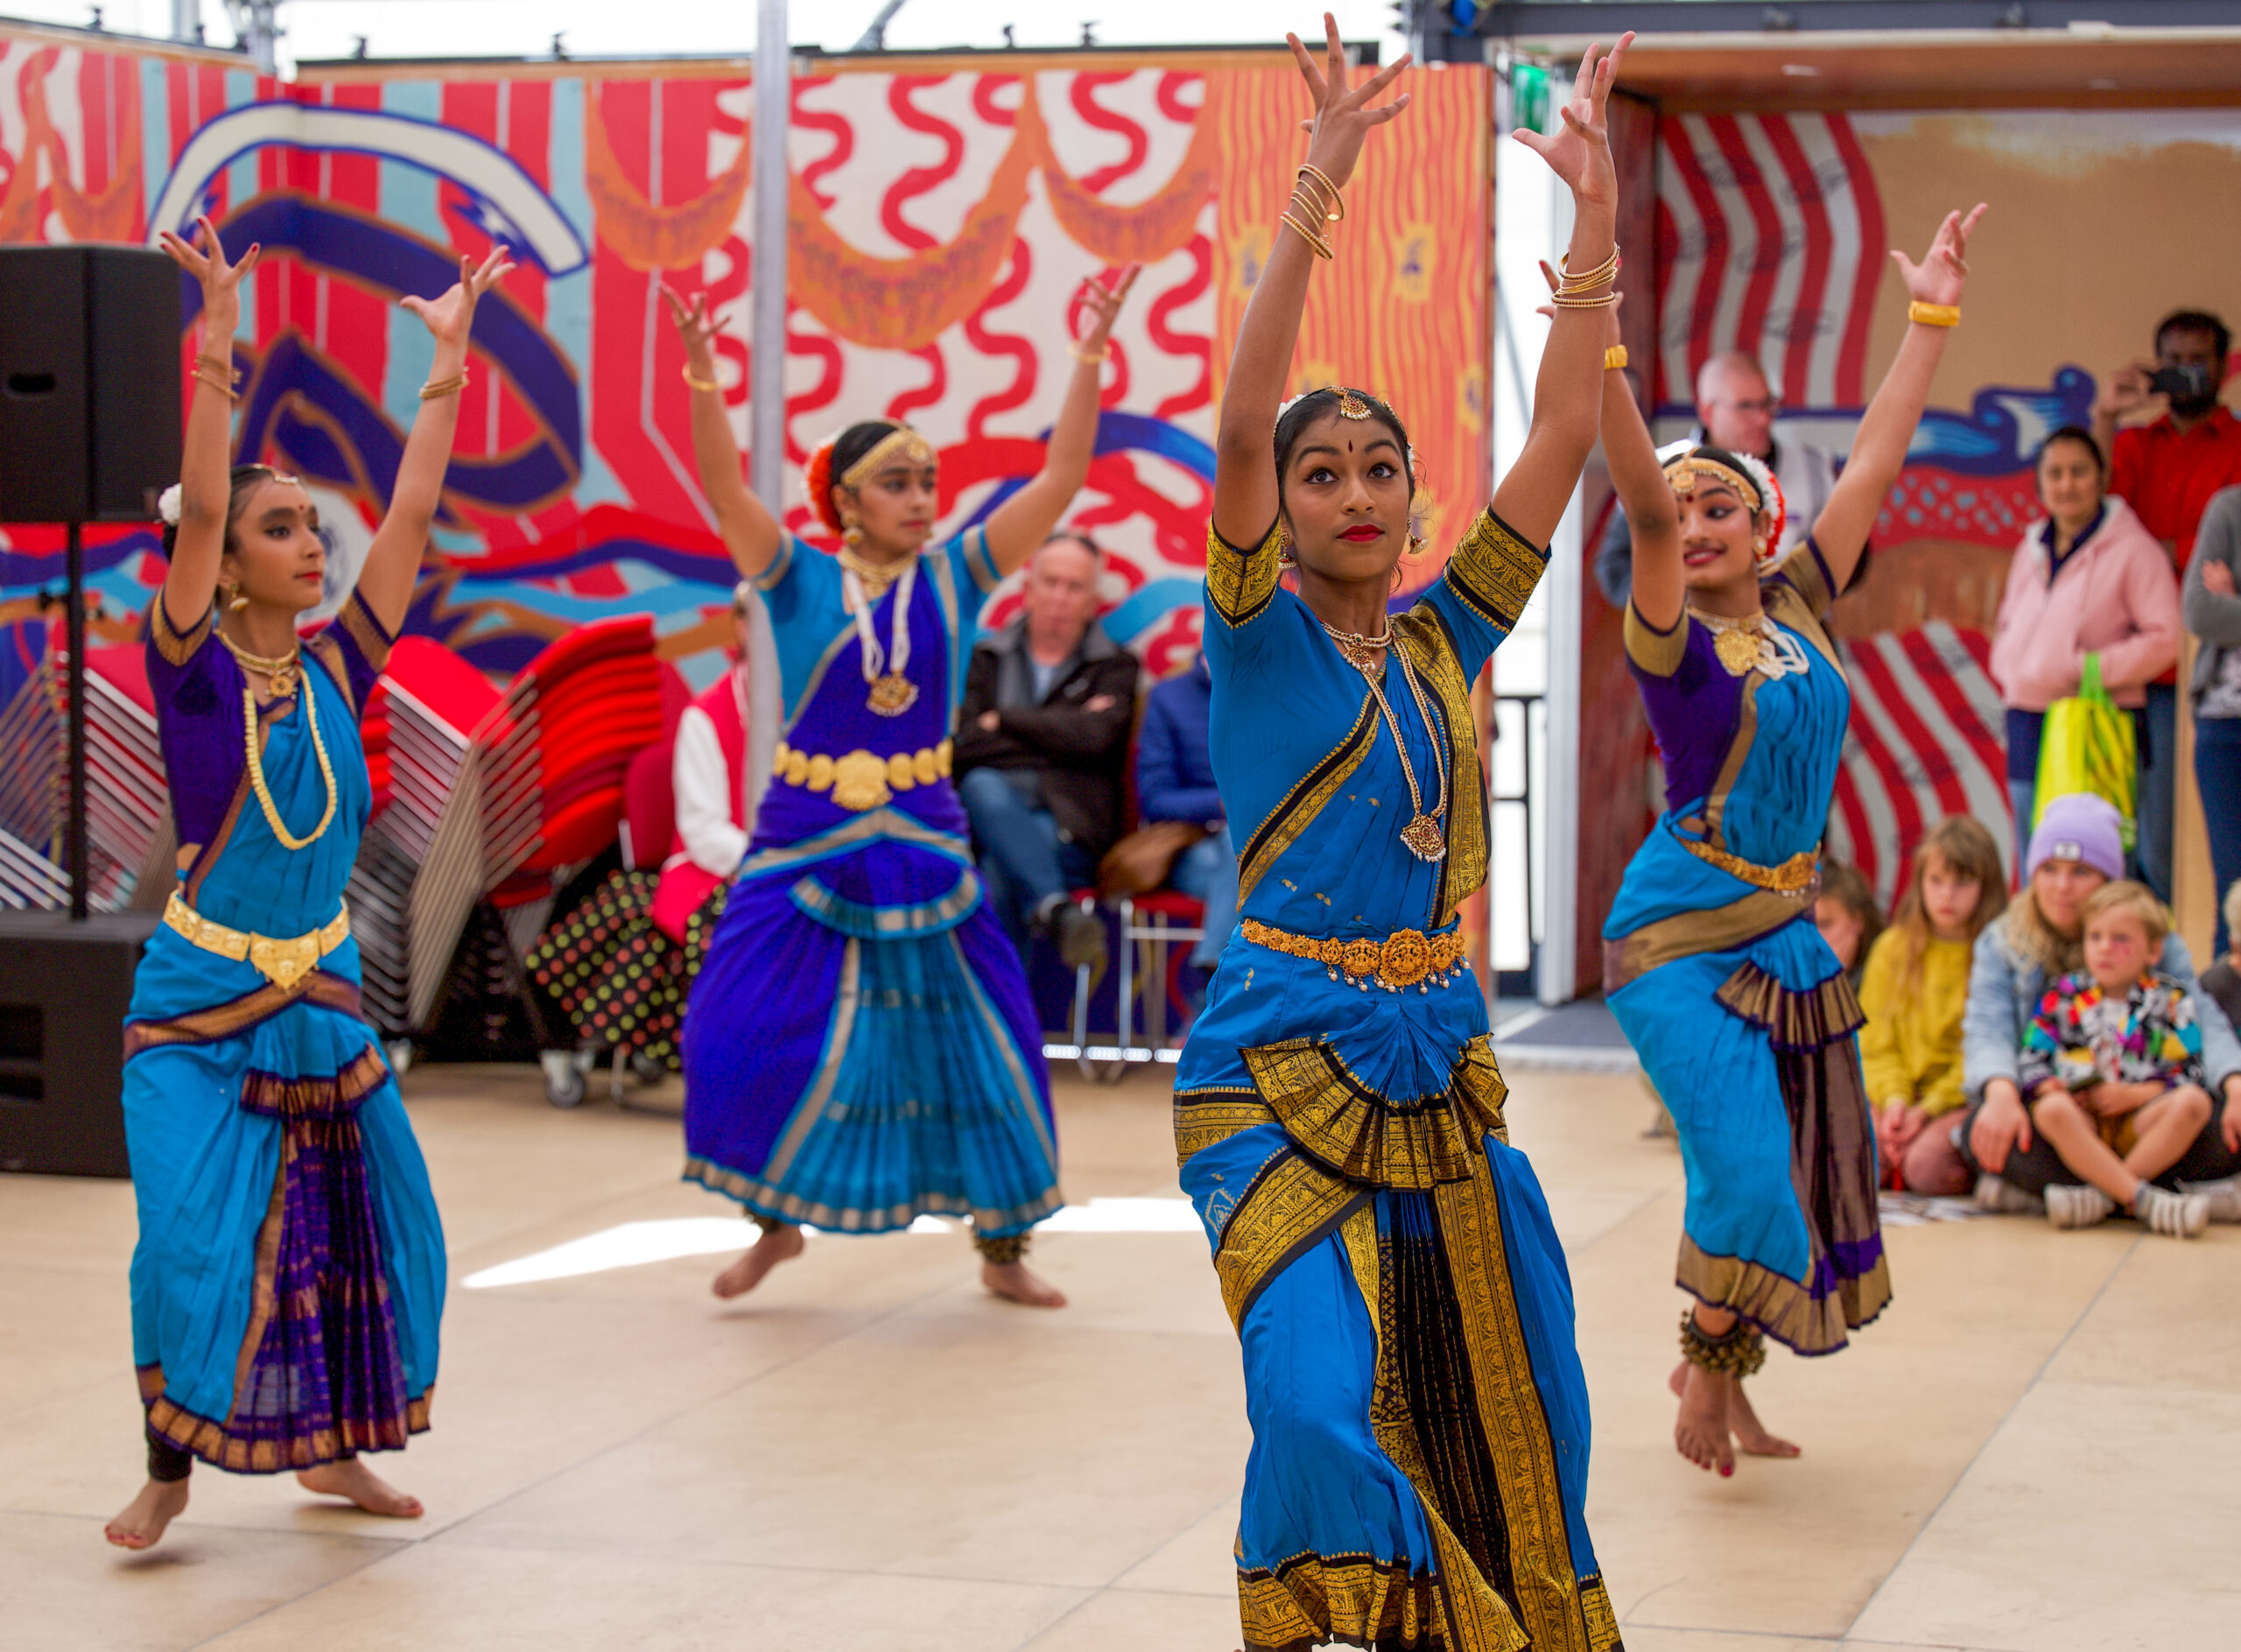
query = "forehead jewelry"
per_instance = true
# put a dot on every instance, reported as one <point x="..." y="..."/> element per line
<point x="1351" y="405"/>
<point x="902" y="443"/>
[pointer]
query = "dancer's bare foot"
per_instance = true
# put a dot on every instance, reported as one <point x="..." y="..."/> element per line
<point x="1750" y="1433"/>
<point x="350" y="1478"/>
<point x="1014" y="1282"/>
<point x="141" y="1524"/>
<point x="1701" y="1433"/>
<point x="776" y="1245"/>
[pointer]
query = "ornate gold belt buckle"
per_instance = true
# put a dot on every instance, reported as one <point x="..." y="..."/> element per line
<point x="1407" y="959"/>
<point x="284" y="962"/>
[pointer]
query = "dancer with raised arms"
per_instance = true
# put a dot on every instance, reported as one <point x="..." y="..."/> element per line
<point x="289" y="1276"/>
<point x="860" y="1048"/>
<point x="1420" y="1423"/>
<point x="1744" y="1019"/>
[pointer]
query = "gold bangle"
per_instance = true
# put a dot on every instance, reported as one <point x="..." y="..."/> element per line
<point x="1613" y="355"/>
<point x="1607" y="270"/>
<point x="1338" y="208"/>
<point x="221" y="386"/>
<point x="1566" y="301"/>
<point x="697" y="383"/>
<point x="1086" y="358"/>
<point x="221" y="364"/>
<point x="1305" y="202"/>
<point x="1933" y="314"/>
<point x="439" y="387"/>
<point x="1322" y="247"/>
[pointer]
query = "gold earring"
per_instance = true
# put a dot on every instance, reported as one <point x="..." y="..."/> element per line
<point x="237" y="602"/>
<point x="1417" y="543"/>
<point x="1284" y="555"/>
<point x="1759" y="547"/>
<point x="852" y="531"/>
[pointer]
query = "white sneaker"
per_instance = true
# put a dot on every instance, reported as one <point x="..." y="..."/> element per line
<point x="2082" y="1205"/>
<point x="2224" y="1196"/>
<point x="2004" y="1199"/>
<point x="2173" y="1215"/>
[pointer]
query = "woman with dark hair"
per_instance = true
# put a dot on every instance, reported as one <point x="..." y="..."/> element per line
<point x="1420" y="1421"/>
<point x="2088" y="589"/>
<point x="859" y="1046"/>
<point x="1742" y="1015"/>
<point x="290" y="1272"/>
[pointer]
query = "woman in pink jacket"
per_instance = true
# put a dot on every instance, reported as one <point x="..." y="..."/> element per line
<point x="2088" y="578"/>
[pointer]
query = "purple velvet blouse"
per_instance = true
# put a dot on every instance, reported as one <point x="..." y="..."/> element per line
<point x="197" y="685"/>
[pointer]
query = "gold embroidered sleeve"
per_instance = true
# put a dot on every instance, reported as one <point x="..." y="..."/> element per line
<point x="176" y="646"/>
<point x="1655" y="653"/>
<point x="1493" y="569"/>
<point x="1240" y="583"/>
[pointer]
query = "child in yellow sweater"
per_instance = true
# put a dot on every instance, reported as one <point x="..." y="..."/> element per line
<point x="1913" y="991"/>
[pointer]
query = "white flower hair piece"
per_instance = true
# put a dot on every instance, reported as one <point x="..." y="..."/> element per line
<point x="167" y="505"/>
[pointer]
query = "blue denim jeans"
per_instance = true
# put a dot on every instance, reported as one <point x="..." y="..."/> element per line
<point x="1207" y="871"/>
<point x="2158" y="769"/>
<point x="1023" y="860"/>
<point x="2217" y="772"/>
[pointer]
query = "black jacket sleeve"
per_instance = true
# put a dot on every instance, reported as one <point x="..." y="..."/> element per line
<point x="1063" y="732"/>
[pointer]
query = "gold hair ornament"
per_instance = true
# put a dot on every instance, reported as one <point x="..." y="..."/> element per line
<point x="1687" y="472"/>
<point x="902" y="443"/>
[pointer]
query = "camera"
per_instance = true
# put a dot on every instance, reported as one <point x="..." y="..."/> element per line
<point x="2188" y="383"/>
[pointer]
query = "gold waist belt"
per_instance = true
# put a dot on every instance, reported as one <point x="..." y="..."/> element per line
<point x="862" y="779"/>
<point x="282" y="962"/>
<point x="1405" y="958"/>
<point x="1796" y="873"/>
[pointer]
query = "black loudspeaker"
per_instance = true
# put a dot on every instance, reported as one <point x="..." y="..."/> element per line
<point x="89" y="381"/>
<point x="64" y="989"/>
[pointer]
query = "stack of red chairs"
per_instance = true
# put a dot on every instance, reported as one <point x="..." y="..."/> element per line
<point x="420" y="868"/>
<point x="554" y="778"/>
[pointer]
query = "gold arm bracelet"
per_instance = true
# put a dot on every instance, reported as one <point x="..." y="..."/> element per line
<point x="1933" y="314"/>
<point x="222" y="386"/>
<point x="1563" y="302"/>
<point x="1322" y="247"/>
<point x="1608" y="270"/>
<point x="439" y="387"/>
<point x="1086" y="358"/>
<point x="1338" y="208"/>
<point x="1613" y="355"/>
<point x="697" y="382"/>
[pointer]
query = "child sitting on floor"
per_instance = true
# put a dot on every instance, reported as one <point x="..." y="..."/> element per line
<point x="1912" y="990"/>
<point x="1846" y="914"/>
<point x="2112" y="1066"/>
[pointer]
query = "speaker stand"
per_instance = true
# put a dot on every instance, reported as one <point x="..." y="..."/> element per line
<point x="81" y="856"/>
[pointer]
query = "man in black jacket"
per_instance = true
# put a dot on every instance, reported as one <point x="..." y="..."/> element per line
<point x="1041" y="744"/>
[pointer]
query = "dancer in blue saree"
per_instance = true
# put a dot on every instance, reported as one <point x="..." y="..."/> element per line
<point x="1742" y="1016"/>
<point x="290" y="1271"/>
<point x="1419" y="1464"/>
<point x="861" y="1047"/>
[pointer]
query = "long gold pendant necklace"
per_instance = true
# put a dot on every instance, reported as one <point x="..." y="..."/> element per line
<point x="892" y="693"/>
<point x="285" y="675"/>
<point x="1423" y="835"/>
<point x="1755" y="643"/>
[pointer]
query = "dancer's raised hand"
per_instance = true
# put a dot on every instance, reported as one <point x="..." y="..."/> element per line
<point x="221" y="282"/>
<point x="696" y="327"/>
<point x="1104" y="304"/>
<point x="1944" y="269"/>
<point x="451" y="317"/>
<point x="1343" y="118"/>
<point x="1580" y="153"/>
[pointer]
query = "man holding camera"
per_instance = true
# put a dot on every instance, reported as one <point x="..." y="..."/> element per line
<point x="2179" y="447"/>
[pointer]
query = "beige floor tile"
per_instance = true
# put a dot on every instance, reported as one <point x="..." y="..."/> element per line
<point x="1201" y="1560"/>
<point x="438" y="1598"/>
<point x="1131" y="1622"/>
<point x="64" y="1587"/>
<point x="76" y="1220"/>
<point x="970" y="1440"/>
<point x="1652" y="1638"/>
<point x="2170" y="1317"/>
<point x="2099" y="1517"/>
<point x="63" y="1326"/>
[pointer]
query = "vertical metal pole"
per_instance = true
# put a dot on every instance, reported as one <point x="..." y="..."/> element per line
<point x="186" y="20"/>
<point x="767" y="378"/>
<point x="80" y="869"/>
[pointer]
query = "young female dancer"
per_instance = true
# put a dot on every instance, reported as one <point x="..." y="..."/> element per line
<point x="290" y="1272"/>
<point x="861" y="1047"/>
<point x="1420" y="1423"/>
<point x="1744" y="1019"/>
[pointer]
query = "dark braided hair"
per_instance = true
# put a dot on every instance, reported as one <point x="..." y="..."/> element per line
<point x="858" y="440"/>
<point x="1293" y="423"/>
<point x="244" y="480"/>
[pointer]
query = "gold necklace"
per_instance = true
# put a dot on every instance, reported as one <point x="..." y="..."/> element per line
<point x="875" y="577"/>
<point x="1423" y="835"/>
<point x="309" y="711"/>
<point x="280" y="674"/>
<point x="1752" y="644"/>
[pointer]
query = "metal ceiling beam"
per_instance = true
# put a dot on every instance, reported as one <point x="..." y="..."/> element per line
<point x="1607" y="19"/>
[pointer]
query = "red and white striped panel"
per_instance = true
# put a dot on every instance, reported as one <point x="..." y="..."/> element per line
<point x="1770" y="241"/>
<point x="1926" y="741"/>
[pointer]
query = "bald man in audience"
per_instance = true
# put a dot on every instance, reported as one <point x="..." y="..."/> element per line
<point x="1735" y="410"/>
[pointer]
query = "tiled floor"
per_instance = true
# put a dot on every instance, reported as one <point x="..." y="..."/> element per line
<point x="2038" y="1448"/>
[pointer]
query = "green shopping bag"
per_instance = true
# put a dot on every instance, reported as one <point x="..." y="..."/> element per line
<point x="2089" y="745"/>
